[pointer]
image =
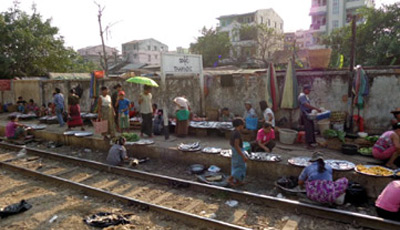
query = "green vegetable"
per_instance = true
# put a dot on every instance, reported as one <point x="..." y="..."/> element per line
<point x="341" y="136"/>
<point x="366" y="151"/>
<point x="330" y="133"/>
<point x="131" y="137"/>
<point x="372" y="138"/>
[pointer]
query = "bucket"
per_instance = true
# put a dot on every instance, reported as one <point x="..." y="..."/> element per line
<point x="323" y="125"/>
<point x="339" y="126"/>
<point x="287" y="136"/>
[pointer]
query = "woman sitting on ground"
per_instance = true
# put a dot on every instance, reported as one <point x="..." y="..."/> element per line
<point x="318" y="182"/>
<point x="388" y="203"/>
<point x="15" y="130"/>
<point x="265" y="139"/>
<point x="388" y="146"/>
<point x="117" y="154"/>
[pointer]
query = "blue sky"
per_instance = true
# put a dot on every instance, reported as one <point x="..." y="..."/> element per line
<point x="174" y="22"/>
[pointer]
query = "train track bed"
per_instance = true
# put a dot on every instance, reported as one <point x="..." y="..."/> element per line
<point x="70" y="206"/>
<point x="203" y="204"/>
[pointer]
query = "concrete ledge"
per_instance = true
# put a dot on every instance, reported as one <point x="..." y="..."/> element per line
<point x="265" y="170"/>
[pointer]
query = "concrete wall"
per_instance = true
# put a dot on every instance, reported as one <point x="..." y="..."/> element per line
<point x="329" y="91"/>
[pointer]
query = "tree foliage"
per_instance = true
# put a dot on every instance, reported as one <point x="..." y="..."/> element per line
<point x="212" y="45"/>
<point x="266" y="40"/>
<point x="378" y="38"/>
<point x="31" y="46"/>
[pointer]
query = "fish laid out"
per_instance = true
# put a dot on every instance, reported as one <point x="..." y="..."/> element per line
<point x="262" y="156"/>
<point x="212" y="150"/>
<point x="193" y="147"/>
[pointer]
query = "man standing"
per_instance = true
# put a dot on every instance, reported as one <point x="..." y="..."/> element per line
<point x="147" y="112"/>
<point x="59" y="104"/>
<point x="306" y="108"/>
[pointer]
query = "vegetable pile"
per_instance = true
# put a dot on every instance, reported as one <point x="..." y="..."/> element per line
<point x="372" y="139"/>
<point x="330" y="133"/>
<point x="365" y="151"/>
<point x="131" y="137"/>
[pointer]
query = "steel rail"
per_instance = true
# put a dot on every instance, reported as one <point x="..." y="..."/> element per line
<point x="185" y="217"/>
<point x="270" y="201"/>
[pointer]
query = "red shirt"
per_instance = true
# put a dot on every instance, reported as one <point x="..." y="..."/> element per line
<point x="265" y="137"/>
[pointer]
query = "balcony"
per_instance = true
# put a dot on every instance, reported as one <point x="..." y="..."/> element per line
<point x="355" y="4"/>
<point x="317" y="28"/>
<point x="318" y="10"/>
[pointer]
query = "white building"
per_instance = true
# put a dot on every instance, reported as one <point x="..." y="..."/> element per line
<point x="93" y="54"/>
<point x="147" y="51"/>
<point x="231" y="24"/>
<point x="327" y="15"/>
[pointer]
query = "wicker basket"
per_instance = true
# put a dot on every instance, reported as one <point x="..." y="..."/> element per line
<point x="338" y="116"/>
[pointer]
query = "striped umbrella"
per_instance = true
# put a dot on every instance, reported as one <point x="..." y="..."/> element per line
<point x="290" y="91"/>
<point x="272" y="94"/>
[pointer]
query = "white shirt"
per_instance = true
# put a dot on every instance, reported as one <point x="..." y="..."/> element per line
<point x="266" y="117"/>
<point x="105" y="101"/>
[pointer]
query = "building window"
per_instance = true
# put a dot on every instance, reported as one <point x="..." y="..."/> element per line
<point x="335" y="24"/>
<point x="162" y="48"/>
<point x="155" y="48"/>
<point x="134" y="56"/>
<point x="335" y="7"/>
<point x="148" y="47"/>
<point x="269" y="22"/>
<point x="149" y="58"/>
<point x="281" y="26"/>
<point x="275" y="25"/>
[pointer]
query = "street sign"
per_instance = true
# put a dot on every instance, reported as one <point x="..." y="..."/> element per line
<point x="5" y="85"/>
<point x="178" y="64"/>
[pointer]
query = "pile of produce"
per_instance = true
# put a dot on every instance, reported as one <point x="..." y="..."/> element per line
<point x="365" y="151"/>
<point x="331" y="133"/>
<point x="375" y="170"/>
<point x="372" y="139"/>
<point x="131" y="137"/>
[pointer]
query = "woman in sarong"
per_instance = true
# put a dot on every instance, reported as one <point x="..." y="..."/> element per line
<point x="74" y="111"/>
<point x="318" y="182"/>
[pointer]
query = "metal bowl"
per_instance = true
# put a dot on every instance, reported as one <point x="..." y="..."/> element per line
<point x="197" y="168"/>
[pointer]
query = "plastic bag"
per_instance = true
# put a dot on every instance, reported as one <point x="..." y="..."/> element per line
<point x="16" y="208"/>
<point x="106" y="219"/>
<point x="100" y="126"/>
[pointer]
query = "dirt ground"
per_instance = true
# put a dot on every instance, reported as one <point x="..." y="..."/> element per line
<point x="69" y="206"/>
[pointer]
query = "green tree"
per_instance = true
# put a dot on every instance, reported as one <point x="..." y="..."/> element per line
<point x="212" y="45"/>
<point x="265" y="41"/>
<point x="31" y="46"/>
<point x="378" y="38"/>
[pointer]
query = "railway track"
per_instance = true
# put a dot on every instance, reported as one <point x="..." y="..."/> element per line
<point x="185" y="200"/>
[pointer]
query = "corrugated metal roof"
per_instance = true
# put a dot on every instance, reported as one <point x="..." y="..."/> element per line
<point x="69" y="76"/>
<point x="132" y="66"/>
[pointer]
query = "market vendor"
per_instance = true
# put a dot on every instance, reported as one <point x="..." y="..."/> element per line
<point x="396" y="119"/>
<point x="306" y="108"/>
<point x="117" y="153"/>
<point x="250" y="111"/>
<point x="265" y="141"/>
<point x="268" y="115"/>
<point x="319" y="184"/>
<point x="182" y="116"/>
<point x="32" y="107"/>
<point x="226" y="116"/>
<point x="15" y="130"/>
<point x="388" y="146"/>
<point x="388" y="203"/>
<point x="21" y="103"/>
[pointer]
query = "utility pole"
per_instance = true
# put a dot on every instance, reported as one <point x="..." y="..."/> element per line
<point x="351" y="70"/>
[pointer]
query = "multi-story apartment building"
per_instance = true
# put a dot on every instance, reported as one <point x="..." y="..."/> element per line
<point x="147" y="51"/>
<point x="327" y="15"/>
<point x="93" y="54"/>
<point x="241" y="44"/>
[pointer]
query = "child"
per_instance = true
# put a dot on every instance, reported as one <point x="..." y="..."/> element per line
<point x="238" y="160"/>
<point x="15" y="130"/>
<point x="117" y="154"/>
<point x="158" y="123"/>
<point x="32" y="107"/>
<point x="132" y="110"/>
<point x="43" y="111"/>
<point x="123" y="111"/>
<point x="51" y="109"/>
<point x="21" y="104"/>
